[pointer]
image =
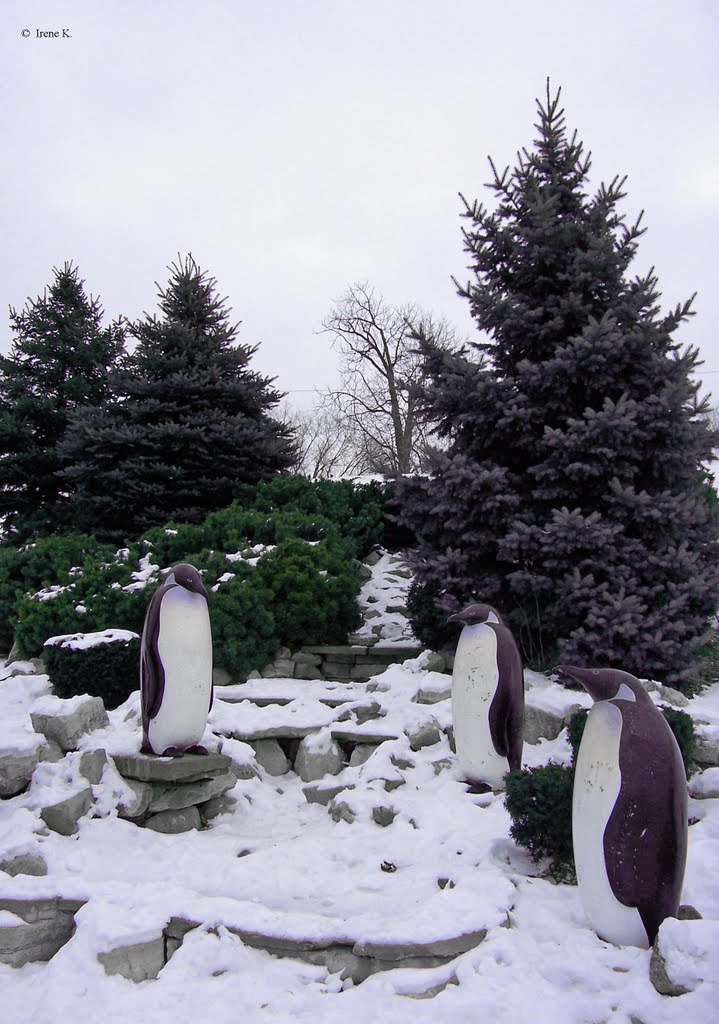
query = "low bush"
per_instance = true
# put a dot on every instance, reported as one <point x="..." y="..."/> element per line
<point x="244" y="632"/>
<point x="539" y="802"/>
<point x="107" y="670"/>
<point x="313" y="592"/>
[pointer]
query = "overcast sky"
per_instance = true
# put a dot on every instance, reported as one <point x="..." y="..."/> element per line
<point x="296" y="146"/>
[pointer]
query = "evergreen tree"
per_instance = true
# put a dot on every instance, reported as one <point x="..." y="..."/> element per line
<point x="189" y="423"/>
<point x="58" y="363"/>
<point x="571" y="493"/>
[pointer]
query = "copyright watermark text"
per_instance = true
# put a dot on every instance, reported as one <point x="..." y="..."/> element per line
<point x="46" y="33"/>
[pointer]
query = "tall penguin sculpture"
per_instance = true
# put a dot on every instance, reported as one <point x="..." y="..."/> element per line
<point x="487" y="697"/>
<point x="176" y="665"/>
<point x="629" y="810"/>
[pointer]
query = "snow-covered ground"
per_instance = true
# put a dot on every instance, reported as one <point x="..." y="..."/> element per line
<point x="278" y="863"/>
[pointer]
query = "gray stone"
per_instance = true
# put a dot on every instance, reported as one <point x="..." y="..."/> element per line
<point x="315" y="760"/>
<point x="361" y="753"/>
<point x="270" y="756"/>
<point x="339" y="670"/>
<point x="138" y="962"/>
<point x="449" y="733"/>
<point x="397" y="609"/>
<point x="188" y="768"/>
<point x="223" y="804"/>
<point x="540" y="724"/>
<point x="244" y="771"/>
<point x="339" y="810"/>
<point x="403" y="763"/>
<point x="434" y="696"/>
<point x="323" y="794"/>
<point x="92" y="765"/>
<point x="175" y="932"/>
<point x="136" y="802"/>
<point x="403" y="574"/>
<point x="395" y="951"/>
<point x="16" y="771"/>
<point x="687" y="912"/>
<point x="372" y="613"/>
<point x="307" y="658"/>
<point x="659" y="977"/>
<point x="435" y="663"/>
<point x="383" y="815"/>
<point x="50" y="752"/>
<point x="425" y="735"/>
<point x="67" y="729"/>
<point x="442" y="764"/>
<point x="672" y="696"/>
<point x="348" y="734"/>
<point x="24" y="864"/>
<point x="175" y="797"/>
<point x="706" y="752"/>
<point x="64" y="816"/>
<point x="172" y="822"/>
<point x="360" y="640"/>
<point x="363" y="571"/>
<point x="220" y="677"/>
<point x="305" y="671"/>
<point x="284" y="668"/>
<point x="47" y="925"/>
<point x="373" y="558"/>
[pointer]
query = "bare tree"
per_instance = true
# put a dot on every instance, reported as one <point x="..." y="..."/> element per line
<point x="324" y="448"/>
<point x="379" y="370"/>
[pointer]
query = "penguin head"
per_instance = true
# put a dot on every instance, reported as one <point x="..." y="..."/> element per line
<point x="187" y="576"/>
<point x="605" y="683"/>
<point x="473" y="614"/>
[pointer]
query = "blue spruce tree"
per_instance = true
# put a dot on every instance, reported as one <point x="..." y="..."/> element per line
<point x="189" y="423"/>
<point x="571" y="490"/>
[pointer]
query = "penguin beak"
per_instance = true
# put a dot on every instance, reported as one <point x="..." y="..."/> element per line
<point x="586" y="677"/>
<point x="457" y="617"/>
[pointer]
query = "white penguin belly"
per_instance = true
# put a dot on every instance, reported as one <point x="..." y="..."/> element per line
<point x="597" y="782"/>
<point x="474" y="683"/>
<point x="185" y="647"/>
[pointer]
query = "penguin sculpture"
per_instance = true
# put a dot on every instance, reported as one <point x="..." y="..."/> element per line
<point x="487" y="697"/>
<point x="176" y="666"/>
<point x="629" y="810"/>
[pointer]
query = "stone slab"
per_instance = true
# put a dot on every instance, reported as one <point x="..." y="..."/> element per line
<point x="540" y="724"/>
<point x="47" y="925"/>
<point x="186" y="769"/>
<point x="175" y="797"/>
<point x="24" y="864"/>
<point x="395" y="951"/>
<point x="314" y="761"/>
<point x="346" y="733"/>
<point x="141" y="961"/>
<point x="173" y="822"/>
<point x="92" y="765"/>
<point x="135" y="804"/>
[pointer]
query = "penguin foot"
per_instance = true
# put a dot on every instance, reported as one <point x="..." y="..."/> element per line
<point x="172" y="752"/>
<point x="477" y="787"/>
<point x="197" y="749"/>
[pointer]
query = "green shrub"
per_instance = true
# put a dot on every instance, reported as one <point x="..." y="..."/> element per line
<point x="313" y="591"/>
<point x="428" y="621"/>
<point x="108" y="670"/>
<point x="170" y="544"/>
<point x="244" y="633"/>
<point x="89" y="600"/>
<point x="35" y="566"/>
<point x="539" y="802"/>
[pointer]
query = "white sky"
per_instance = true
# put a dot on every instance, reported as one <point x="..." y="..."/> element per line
<point x="295" y="146"/>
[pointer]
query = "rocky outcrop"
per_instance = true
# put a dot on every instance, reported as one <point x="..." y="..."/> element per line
<point x="65" y="721"/>
<point x="174" y="794"/>
<point x="40" y="928"/>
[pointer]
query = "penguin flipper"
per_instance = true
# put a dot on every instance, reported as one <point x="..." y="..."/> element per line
<point x="645" y="841"/>
<point x="506" y="712"/>
<point x="152" y="671"/>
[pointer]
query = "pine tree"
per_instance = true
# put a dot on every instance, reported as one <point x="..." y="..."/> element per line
<point x="58" y="363"/>
<point x="571" y="493"/>
<point x="189" y="424"/>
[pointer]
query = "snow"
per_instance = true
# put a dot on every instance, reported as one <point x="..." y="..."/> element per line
<point x="279" y="865"/>
<point x="83" y="641"/>
<point x="49" y="704"/>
